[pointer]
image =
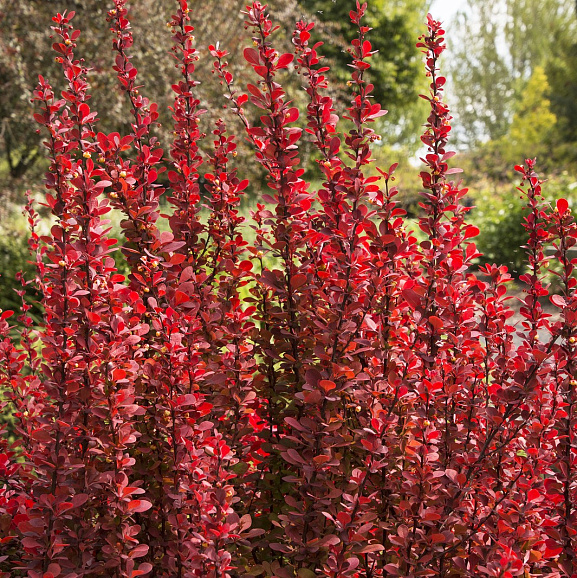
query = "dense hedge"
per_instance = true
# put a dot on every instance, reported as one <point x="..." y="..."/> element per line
<point x="335" y="399"/>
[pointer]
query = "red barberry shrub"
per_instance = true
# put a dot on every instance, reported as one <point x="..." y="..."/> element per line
<point x="332" y="399"/>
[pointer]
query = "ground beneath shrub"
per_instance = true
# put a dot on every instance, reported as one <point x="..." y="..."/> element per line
<point x="517" y="293"/>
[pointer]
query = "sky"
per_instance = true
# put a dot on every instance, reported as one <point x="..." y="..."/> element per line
<point x="444" y="10"/>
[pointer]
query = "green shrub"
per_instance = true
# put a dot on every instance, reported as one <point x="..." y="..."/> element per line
<point x="500" y="215"/>
<point x="500" y="220"/>
<point x="14" y="258"/>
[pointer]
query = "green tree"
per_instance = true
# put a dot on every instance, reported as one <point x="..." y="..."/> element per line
<point x="533" y="127"/>
<point x="482" y="84"/>
<point x="499" y="44"/>
<point x="532" y="133"/>
<point x="562" y="76"/>
<point x="395" y="71"/>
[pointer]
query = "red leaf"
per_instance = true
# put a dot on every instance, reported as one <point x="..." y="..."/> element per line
<point x="261" y="71"/>
<point x="436" y="323"/>
<point x="284" y="60"/>
<point x="54" y="570"/>
<point x="471" y="231"/>
<point x="139" y="551"/>
<point x="327" y="385"/>
<point x="245" y="265"/>
<point x="64" y="507"/>
<point x="371" y="548"/>
<point x="83" y="110"/>
<point x="298" y="280"/>
<point x="562" y="206"/>
<point x="534" y="495"/>
<point x="138" y="505"/>
<point x="181" y="297"/>
<point x="559" y="301"/>
<point x="366" y="48"/>
<point x="291" y="115"/>
<point x="144" y="568"/>
<point x="330" y="540"/>
<point x="252" y="56"/>
<point x="412" y="298"/>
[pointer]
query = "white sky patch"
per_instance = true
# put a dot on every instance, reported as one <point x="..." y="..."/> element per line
<point x="445" y="10"/>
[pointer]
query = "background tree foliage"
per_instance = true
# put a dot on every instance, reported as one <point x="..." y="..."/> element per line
<point x="25" y="50"/>
<point x="513" y="81"/>
<point x="498" y="47"/>
<point x="534" y="124"/>
<point x="395" y="23"/>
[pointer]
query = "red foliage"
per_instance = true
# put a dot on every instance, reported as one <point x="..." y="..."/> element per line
<point x="334" y="400"/>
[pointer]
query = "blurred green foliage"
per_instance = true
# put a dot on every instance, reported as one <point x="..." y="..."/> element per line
<point x="396" y="69"/>
<point x="15" y="258"/>
<point x="500" y="221"/>
<point x="499" y="215"/>
<point x="496" y="47"/>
